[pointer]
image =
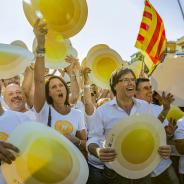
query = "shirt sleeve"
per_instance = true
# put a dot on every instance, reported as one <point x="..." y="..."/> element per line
<point x="96" y="131"/>
<point x="179" y="133"/>
<point x="42" y="116"/>
<point x="81" y="125"/>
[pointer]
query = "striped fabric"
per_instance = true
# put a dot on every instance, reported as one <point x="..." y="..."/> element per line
<point x="151" y="39"/>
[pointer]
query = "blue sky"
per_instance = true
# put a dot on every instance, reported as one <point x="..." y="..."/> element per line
<point x="114" y="22"/>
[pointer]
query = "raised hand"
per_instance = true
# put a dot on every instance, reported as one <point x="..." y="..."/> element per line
<point x="40" y="30"/>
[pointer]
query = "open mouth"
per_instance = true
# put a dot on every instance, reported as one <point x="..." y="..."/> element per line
<point x="60" y="95"/>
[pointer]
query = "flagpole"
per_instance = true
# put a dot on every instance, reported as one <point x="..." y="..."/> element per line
<point x="181" y="9"/>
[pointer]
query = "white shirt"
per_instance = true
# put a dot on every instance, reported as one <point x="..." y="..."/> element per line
<point x="179" y="134"/>
<point x="106" y="116"/>
<point x="165" y="163"/>
<point x="9" y="120"/>
<point x="65" y="124"/>
<point x="109" y="114"/>
<point x="94" y="161"/>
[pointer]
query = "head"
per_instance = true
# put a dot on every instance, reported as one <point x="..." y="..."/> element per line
<point x="144" y="89"/>
<point x="122" y="83"/>
<point x="15" y="98"/>
<point x="56" y="91"/>
<point x="15" y="80"/>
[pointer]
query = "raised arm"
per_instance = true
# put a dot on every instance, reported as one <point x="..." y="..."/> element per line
<point x="89" y="107"/>
<point x="40" y="31"/>
<point x="73" y="70"/>
<point x="27" y="85"/>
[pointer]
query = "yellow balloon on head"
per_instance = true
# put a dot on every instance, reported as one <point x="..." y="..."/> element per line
<point x="65" y="16"/>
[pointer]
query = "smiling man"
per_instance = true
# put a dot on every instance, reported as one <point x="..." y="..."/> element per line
<point x="15" y="99"/>
<point x="108" y="115"/>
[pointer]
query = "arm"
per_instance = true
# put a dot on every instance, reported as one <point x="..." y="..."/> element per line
<point x="39" y="70"/>
<point x="89" y="107"/>
<point x="96" y="138"/>
<point x="72" y="70"/>
<point x="27" y="85"/>
<point x="166" y="101"/>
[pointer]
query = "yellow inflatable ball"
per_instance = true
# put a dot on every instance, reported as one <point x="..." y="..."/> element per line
<point x="175" y="113"/>
<point x="64" y="16"/>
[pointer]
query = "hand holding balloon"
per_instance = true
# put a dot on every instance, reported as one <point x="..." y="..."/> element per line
<point x="6" y="154"/>
<point x="40" y="31"/>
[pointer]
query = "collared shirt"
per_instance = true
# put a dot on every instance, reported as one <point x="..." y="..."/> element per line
<point x="105" y="117"/>
<point x="109" y="114"/>
<point x="179" y="134"/>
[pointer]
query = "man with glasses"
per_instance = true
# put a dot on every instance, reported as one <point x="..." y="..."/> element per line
<point x="124" y="104"/>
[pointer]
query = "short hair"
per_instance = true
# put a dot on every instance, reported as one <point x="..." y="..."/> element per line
<point x="140" y="80"/>
<point x="48" y="98"/>
<point x="116" y="75"/>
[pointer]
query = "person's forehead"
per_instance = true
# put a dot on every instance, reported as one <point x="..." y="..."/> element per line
<point x="145" y="84"/>
<point x="127" y="75"/>
<point x="55" y="81"/>
<point x="13" y="88"/>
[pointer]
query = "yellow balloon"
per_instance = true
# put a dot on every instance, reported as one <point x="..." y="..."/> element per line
<point x="57" y="48"/>
<point x="130" y="147"/>
<point x="65" y="16"/>
<point x="175" y="113"/>
<point x="102" y="61"/>
<point x="96" y="48"/>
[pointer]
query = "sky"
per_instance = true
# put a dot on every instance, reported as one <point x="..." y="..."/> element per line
<point x="113" y="22"/>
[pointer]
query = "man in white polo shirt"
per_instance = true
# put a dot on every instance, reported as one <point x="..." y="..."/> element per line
<point x="123" y="105"/>
<point x="164" y="173"/>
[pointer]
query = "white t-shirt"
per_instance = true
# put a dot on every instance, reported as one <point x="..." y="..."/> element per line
<point x="65" y="124"/>
<point x="179" y="134"/>
<point x="9" y="120"/>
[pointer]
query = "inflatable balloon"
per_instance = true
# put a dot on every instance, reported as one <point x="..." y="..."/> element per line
<point x="13" y="60"/>
<point x="136" y="140"/>
<point x="45" y="157"/>
<point x="64" y="16"/>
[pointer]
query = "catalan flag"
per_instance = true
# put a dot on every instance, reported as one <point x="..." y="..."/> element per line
<point x="151" y="39"/>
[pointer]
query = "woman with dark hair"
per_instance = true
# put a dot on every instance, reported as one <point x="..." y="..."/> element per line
<point x="51" y="99"/>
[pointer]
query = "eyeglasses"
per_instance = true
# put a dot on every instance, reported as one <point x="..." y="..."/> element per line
<point x="126" y="80"/>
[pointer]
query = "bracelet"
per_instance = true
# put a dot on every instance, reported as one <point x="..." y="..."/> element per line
<point x="40" y="50"/>
<point x="162" y="115"/>
<point x="39" y="55"/>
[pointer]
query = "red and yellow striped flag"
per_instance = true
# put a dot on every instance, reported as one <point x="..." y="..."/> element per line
<point x="151" y="39"/>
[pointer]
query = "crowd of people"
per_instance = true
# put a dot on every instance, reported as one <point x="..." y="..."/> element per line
<point x="88" y="113"/>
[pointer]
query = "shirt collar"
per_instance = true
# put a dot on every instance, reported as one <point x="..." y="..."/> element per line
<point x="114" y="101"/>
